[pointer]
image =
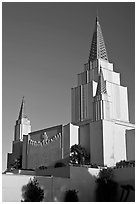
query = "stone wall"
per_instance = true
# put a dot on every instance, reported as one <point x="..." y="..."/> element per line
<point x="43" y="154"/>
<point x="81" y="179"/>
<point x="42" y="148"/>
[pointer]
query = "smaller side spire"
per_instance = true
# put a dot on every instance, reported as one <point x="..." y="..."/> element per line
<point x="22" y="109"/>
<point x="22" y="126"/>
<point x="101" y="87"/>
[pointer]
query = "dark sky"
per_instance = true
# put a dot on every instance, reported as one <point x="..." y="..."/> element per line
<point x="44" y="48"/>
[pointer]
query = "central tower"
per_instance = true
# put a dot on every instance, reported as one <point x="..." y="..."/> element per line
<point x="100" y="106"/>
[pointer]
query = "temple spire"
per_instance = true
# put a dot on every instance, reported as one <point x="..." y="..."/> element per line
<point x="98" y="49"/>
<point x="22" y="110"/>
<point x="97" y="19"/>
<point x="101" y="87"/>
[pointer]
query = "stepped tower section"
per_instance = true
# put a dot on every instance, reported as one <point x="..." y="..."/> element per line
<point x="100" y="106"/>
<point x="99" y="72"/>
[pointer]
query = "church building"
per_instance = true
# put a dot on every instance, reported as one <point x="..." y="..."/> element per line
<point x="99" y="123"/>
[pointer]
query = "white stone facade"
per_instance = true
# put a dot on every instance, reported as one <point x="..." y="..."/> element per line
<point x="100" y="107"/>
<point x="100" y="119"/>
<point x="86" y="105"/>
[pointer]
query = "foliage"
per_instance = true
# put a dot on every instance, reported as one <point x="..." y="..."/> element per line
<point x="105" y="175"/>
<point x="94" y="166"/>
<point x="59" y="164"/>
<point x="78" y="155"/>
<point x="107" y="188"/>
<point x="71" y="196"/>
<point x="32" y="192"/>
<point x="42" y="167"/>
<point x="123" y="164"/>
<point x="17" y="164"/>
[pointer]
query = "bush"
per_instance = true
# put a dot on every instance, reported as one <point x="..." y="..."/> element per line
<point x="32" y="192"/>
<point x="59" y="164"/>
<point x="94" y="166"/>
<point x="106" y="174"/>
<point x="78" y="155"/>
<point x="107" y="188"/>
<point x="123" y="164"/>
<point x="17" y="164"/>
<point x="71" y="196"/>
<point x="42" y="167"/>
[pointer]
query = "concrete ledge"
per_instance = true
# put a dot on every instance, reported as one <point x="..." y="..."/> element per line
<point x="63" y="172"/>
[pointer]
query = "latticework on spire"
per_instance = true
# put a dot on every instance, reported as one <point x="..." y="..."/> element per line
<point x="101" y="87"/>
<point x="98" y="49"/>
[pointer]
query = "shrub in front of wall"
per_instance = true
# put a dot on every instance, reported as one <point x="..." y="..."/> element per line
<point x="71" y="196"/>
<point x="106" y="187"/>
<point x="32" y="192"/>
<point x="59" y="164"/>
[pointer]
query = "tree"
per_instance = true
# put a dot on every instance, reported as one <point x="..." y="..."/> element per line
<point x="106" y="188"/>
<point x="71" y="196"/>
<point x="78" y="155"/>
<point x="32" y="192"/>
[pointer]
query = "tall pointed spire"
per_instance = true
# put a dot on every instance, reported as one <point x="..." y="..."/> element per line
<point x="22" y="109"/>
<point x="98" y="49"/>
<point x="101" y="87"/>
<point x="22" y="126"/>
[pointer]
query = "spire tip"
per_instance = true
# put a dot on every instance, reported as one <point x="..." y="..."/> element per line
<point x="97" y="18"/>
